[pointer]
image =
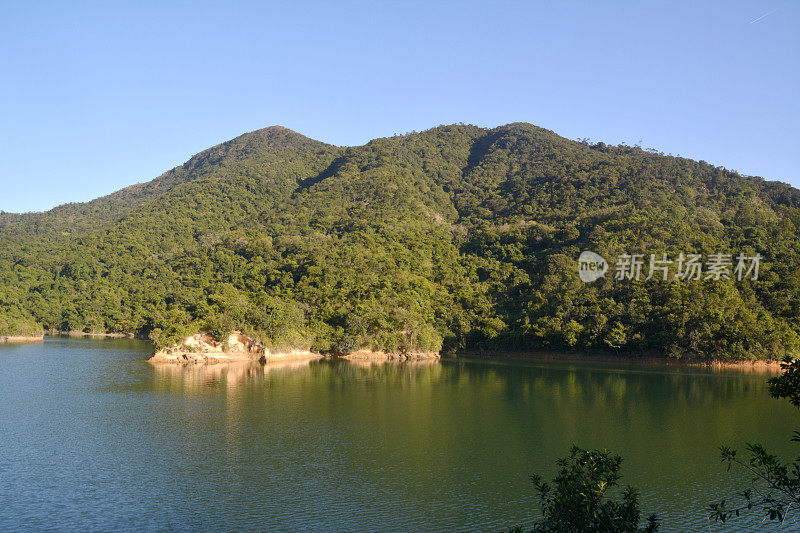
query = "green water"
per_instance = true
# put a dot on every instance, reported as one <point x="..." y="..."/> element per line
<point x="94" y="438"/>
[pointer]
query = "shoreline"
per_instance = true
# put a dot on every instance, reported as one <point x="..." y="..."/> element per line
<point x="379" y="356"/>
<point x="757" y="366"/>
<point x="267" y="357"/>
<point x="231" y="358"/>
<point x="20" y="339"/>
<point x="203" y="348"/>
<point x="92" y="334"/>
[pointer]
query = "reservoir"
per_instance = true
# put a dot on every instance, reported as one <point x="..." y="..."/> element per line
<point x="94" y="438"/>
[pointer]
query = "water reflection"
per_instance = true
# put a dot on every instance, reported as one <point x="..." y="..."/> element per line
<point x="106" y="441"/>
<point x="194" y="378"/>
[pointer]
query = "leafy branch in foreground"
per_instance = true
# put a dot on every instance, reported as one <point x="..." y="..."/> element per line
<point x="578" y="499"/>
<point x="776" y="485"/>
<point x="787" y="385"/>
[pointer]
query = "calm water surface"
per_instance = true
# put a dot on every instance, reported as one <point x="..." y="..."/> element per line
<point x="94" y="438"/>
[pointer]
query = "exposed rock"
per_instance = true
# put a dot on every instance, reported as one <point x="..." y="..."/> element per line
<point x="379" y="356"/>
<point x="203" y="348"/>
<point x="289" y="355"/>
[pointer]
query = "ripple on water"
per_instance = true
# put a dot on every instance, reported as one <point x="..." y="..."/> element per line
<point x="104" y="441"/>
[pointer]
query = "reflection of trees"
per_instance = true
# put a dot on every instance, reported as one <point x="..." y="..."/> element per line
<point x="565" y="399"/>
<point x="197" y="377"/>
<point x="347" y="421"/>
<point x="684" y="408"/>
<point x="559" y="387"/>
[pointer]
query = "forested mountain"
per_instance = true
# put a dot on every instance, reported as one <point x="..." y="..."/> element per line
<point x="453" y="238"/>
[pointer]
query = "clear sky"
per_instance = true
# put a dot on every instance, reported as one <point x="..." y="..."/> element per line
<point x="95" y="96"/>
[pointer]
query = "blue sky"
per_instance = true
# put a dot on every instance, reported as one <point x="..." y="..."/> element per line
<point x="99" y="95"/>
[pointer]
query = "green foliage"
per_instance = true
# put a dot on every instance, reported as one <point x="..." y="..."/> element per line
<point x="15" y="322"/>
<point x="776" y="485"/>
<point x="579" y="498"/>
<point x="454" y="238"/>
<point x="346" y="345"/>
<point x="787" y="384"/>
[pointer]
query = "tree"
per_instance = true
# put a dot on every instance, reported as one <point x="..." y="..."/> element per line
<point x="579" y="498"/>
<point x="787" y="385"/>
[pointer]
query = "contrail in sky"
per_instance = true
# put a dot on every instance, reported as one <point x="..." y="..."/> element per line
<point x="768" y="13"/>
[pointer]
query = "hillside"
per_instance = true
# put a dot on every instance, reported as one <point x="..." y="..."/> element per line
<point x="453" y="238"/>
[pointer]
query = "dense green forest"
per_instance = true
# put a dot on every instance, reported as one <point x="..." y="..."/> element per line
<point x="454" y="238"/>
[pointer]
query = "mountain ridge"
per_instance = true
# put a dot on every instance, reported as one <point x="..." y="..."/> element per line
<point x="192" y="161"/>
<point x="455" y="237"/>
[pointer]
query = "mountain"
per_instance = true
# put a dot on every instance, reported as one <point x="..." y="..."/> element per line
<point x="454" y="238"/>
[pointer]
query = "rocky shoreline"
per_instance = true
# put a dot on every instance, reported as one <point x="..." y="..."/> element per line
<point x="379" y="356"/>
<point x="20" y="339"/>
<point x="202" y="348"/>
